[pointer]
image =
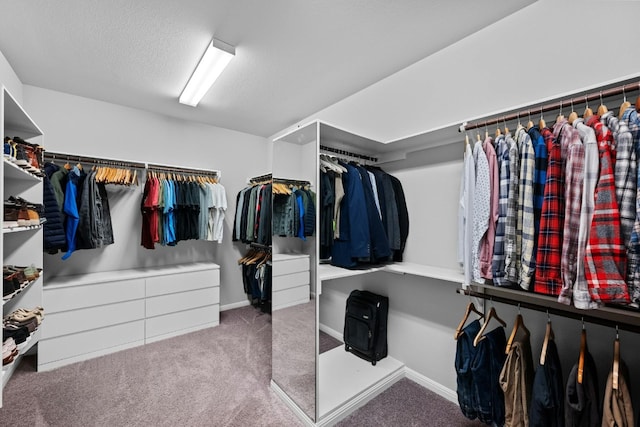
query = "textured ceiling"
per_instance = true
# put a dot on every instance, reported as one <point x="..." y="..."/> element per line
<point x="293" y="57"/>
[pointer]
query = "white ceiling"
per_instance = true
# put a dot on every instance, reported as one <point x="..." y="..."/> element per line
<point x="293" y="57"/>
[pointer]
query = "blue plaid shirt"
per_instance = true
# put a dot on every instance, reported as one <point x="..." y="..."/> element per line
<point x="502" y="153"/>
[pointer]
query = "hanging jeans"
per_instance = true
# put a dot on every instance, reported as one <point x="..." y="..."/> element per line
<point x="465" y="353"/>
<point x="486" y="367"/>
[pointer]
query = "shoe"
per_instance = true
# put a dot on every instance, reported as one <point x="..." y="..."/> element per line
<point x="21" y="156"/>
<point x="18" y="333"/>
<point x="10" y="215"/>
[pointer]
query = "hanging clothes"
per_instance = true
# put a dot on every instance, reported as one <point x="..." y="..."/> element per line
<point x="252" y="221"/>
<point x="582" y="400"/>
<point x="516" y="380"/>
<point x="547" y="395"/>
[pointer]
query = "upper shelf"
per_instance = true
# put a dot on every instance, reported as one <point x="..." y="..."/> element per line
<point x="16" y="120"/>
<point x="329" y="272"/>
<point x="13" y="171"/>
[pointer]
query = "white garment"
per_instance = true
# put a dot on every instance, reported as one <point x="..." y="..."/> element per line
<point x="216" y="212"/>
<point x="465" y="215"/>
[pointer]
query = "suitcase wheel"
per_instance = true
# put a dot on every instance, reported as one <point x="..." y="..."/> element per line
<point x="346" y="347"/>
<point x="373" y="362"/>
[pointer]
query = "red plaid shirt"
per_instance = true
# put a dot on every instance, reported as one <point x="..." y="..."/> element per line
<point x="548" y="278"/>
<point x="605" y="258"/>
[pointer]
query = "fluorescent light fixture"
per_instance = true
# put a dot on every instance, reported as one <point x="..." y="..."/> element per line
<point x="212" y="64"/>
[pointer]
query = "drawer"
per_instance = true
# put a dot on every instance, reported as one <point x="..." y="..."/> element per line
<point x="289" y="266"/>
<point x="188" y="281"/>
<point x="164" y="304"/>
<point x="289" y="281"/>
<point x="290" y="297"/>
<point x="73" y="297"/>
<point x="69" y="322"/>
<point x="182" y="320"/>
<point x="51" y="350"/>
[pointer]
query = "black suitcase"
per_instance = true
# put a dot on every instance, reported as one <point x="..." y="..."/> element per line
<point x="365" y="325"/>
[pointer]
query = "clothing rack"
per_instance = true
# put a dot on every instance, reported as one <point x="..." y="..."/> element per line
<point x="624" y="318"/>
<point x="259" y="246"/>
<point x="52" y="156"/>
<point x="622" y="89"/>
<point x="291" y="181"/>
<point x="260" y="178"/>
<point x="348" y="153"/>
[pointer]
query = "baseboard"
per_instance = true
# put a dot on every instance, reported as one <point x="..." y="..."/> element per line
<point x="331" y="332"/>
<point x="432" y="385"/>
<point x="292" y="405"/>
<point x="234" y="305"/>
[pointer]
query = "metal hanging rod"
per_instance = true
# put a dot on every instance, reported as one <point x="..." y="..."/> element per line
<point x="261" y="178"/>
<point x="561" y="105"/>
<point x="626" y="319"/>
<point x="52" y="156"/>
<point x="260" y="246"/>
<point x="291" y="181"/>
<point x="180" y="169"/>
<point x="348" y="153"/>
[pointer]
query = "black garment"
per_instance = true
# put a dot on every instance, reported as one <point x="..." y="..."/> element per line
<point x="403" y="217"/>
<point x="235" y="237"/>
<point x="327" y="207"/>
<point x="582" y="401"/>
<point x="54" y="236"/>
<point x="309" y="213"/>
<point x="465" y="354"/>
<point x="264" y="225"/>
<point x="547" y="397"/>
<point x="380" y="250"/>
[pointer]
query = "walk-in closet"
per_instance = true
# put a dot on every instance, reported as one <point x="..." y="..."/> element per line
<point x="432" y="224"/>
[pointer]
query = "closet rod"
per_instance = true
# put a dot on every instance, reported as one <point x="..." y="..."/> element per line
<point x="627" y="319"/>
<point x="563" y="105"/>
<point x="348" y="153"/>
<point x="261" y="178"/>
<point x="266" y="248"/>
<point x="53" y="155"/>
<point x="180" y="169"/>
<point x="291" y="181"/>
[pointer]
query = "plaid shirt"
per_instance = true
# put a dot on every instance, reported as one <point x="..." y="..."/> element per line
<point x="548" y="279"/>
<point x="581" y="297"/>
<point x="631" y="118"/>
<point x="605" y="260"/>
<point x="511" y="238"/>
<point x="569" y="138"/>
<point x="526" y="220"/>
<point x="498" y="264"/>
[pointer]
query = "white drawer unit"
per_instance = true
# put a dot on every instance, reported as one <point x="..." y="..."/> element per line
<point x="95" y="314"/>
<point x="290" y="280"/>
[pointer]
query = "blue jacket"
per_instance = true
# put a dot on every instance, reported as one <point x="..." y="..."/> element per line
<point x="380" y="250"/>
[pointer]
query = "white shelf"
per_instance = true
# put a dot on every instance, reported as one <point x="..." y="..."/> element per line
<point x="21" y="228"/>
<point x="350" y="379"/>
<point x="329" y="272"/>
<point x="21" y="291"/>
<point x="23" y="348"/>
<point x="17" y="120"/>
<point x="13" y="171"/>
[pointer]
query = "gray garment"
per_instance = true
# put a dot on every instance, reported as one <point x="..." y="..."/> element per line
<point x="285" y="215"/>
<point x="59" y="182"/>
<point x="339" y="194"/>
<point x="239" y="210"/>
<point x="251" y="213"/>
<point x="391" y="217"/>
<point x="206" y="202"/>
<point x="90" y="227"/>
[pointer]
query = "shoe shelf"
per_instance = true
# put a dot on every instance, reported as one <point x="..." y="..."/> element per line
<point x="16" y="120"/>
<point x="22" y="228"/>
<point x="23" y="348"/>
<point x="17" y="293"/>
<point x="13" y="171"/>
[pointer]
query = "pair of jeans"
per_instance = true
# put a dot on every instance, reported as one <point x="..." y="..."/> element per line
<point x="465" y="354"/>
<point x="485" y="368"/>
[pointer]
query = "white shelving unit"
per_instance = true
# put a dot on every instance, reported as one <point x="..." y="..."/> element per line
<point x="21" y="246"/>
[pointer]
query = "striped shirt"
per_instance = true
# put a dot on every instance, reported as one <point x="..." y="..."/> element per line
<point x="498" y="265"/>
<point x="581" y="297"/>
<point x="548" y="278"/>
<point x="569" y="138"/>
<point x="512" y="240"/>
<point x="526" y="227"/>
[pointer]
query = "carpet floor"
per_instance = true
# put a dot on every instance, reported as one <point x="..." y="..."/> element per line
<point x="215" y="377"/>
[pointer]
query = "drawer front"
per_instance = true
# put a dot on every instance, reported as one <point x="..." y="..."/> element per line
<point x="290" y="281"/>
<point x="164" y="304"/>
<point x="182" y="320"/>
<point x="290" y="297"/>
<point x="289" y="266"/>
<point x="71" y="298"/>
<point x="69" y="322"/>
<point x="188" y="281"/>
<point x="51" y="350"/>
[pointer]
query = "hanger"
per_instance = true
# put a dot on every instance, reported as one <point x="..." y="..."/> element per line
<point x="588" y="112"/>
<point x="491" y="315"/>
<point x="470" y="308"/>
<point x="486" y="131"/>
<point x="616" y="360"/>
<point x="573" y="116"/>
<point x="506" y="129"/>
<point x="560" y="115"/>
<point x="518" y="324"/>
<point x="519" y="124"/>
<point x="602" y="109"/>
<point x="498" y="131"/>
<point x="583" y="351"/>
<point x="625" y="104"/>
<point x="542" y="124"/>
<point x="548" y="336"/>
<point x="530" y="122"/>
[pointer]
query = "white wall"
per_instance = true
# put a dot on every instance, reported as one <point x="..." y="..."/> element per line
<point x="78" y="125"/>
<point x="9" y="79"/>
<point x="548" y="48"/>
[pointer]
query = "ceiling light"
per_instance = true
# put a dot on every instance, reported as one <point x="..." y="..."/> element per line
<point x="212" y="64"/>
